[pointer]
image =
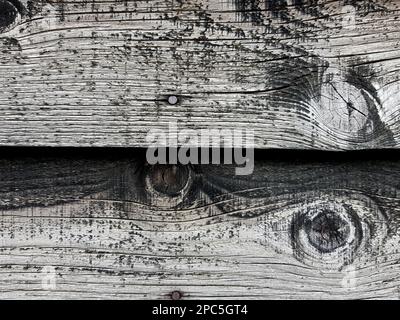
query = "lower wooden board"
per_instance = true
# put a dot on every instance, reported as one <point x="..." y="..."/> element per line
<point x="115" y="227"/>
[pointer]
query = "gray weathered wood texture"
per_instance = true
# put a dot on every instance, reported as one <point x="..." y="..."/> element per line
<point x="328" y="229"/>
<point x="303" y="74"/>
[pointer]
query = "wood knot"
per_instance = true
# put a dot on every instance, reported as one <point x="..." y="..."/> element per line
<point x="327" y="231"/>
<point x="8" y="14"/>
<point x="169" y="179"/>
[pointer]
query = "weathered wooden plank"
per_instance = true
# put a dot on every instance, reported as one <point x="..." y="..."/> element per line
<point x="300" y="73"/>
<point x="110" y="229"/>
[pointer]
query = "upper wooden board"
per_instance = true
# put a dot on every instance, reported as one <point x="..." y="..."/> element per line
<point x="303" y="74"/>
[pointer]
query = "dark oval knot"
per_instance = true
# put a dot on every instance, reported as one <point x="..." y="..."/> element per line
<point x="8" y="14"/>
<point x="327" y="231"/>
<point x="169" y="179"/>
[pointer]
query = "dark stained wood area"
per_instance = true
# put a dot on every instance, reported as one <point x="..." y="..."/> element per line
<point x="325" y="226"/>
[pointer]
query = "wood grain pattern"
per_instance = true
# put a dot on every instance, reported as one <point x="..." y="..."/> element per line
<point x="300" y="73"/>
<point x="294" y="229"/>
